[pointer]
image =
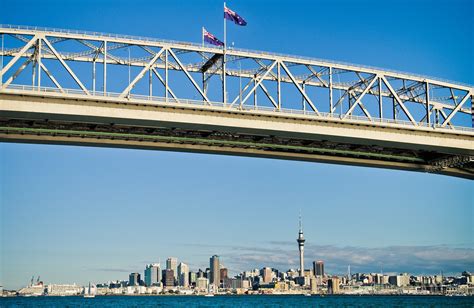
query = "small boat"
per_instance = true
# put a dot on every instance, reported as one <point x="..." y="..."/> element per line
<point x="307" y="294"/>
<point x="89" y="293"/>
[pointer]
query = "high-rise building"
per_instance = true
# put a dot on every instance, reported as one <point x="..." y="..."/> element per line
<point x="301" y="241"/>
<point x="313" y="283"/>
<point x="214" y="270"/>
<point x="183" y="274"/>
<point x="318" y="268"/>
<point x="267" y="275"/>
<point x="201" y="283"/>
<point x="134" y="279"/>
<point x="192" y="278"/>
<point x="333" y="285"/>
<point x="224" y="274"/>
<point x="168" y="278"/>
<point x="172" y="263"/>
<point x="152" y="274"/>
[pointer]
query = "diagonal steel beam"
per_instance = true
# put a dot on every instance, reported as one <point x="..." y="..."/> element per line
<point x="262" y="86"/>
<point x="317" y="75"/>
<point x="308" y="100"/>
<point x="455" y="110"/>
<point x="58" y="56"/>
<point x="254" y="88"/>
<point x="19" y="55"/>
<point x="358" y="100"/>
<point x="141" y="74"/>
<point x="204" y="96"/>
<point x="164" y="84"/>
<point x="400" y="102"/>
<point x="18" y="72"/>
<point x="51" y="77"/>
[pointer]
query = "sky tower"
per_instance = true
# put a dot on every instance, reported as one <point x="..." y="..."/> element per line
<point x="301" y="241"/>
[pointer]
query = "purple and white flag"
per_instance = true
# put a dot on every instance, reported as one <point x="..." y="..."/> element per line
<point x="233" y="16"/>
<point x="211" y="39"/>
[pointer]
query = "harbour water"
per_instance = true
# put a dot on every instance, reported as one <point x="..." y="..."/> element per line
<point x="241" y="301"/>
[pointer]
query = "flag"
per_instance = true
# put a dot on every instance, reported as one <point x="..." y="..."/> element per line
<point x="211" y="39"/>
<point x="233" y="16"/>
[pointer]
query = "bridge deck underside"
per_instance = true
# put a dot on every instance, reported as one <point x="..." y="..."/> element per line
<point x="39" y="127"/>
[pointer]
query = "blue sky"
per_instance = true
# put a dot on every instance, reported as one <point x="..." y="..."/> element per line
<point x="74" y="214"/>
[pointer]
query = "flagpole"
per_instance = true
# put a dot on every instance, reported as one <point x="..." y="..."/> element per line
<point x="224" y="87"/>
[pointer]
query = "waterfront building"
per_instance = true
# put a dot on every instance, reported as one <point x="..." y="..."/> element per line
<point x="399" y="280"/>
<point x="224" y="277"/>
<point x="214" y="270"/>
<point x="172" y="264"/>
<point x="333" y="285"/>
<point x="224" y="273"/>
<point x="183" y="275"/>
<point x="300" y="240"/>
<point x="134" y="279"/>
<point x="168" y="278"/>
<point x="152" y="274"/>
<point x="267" y="274"/>
<point x="201" y="283"/>
<point x="318" y="268"/>
<point x="313" y="284"/>
<point x="192" y="278"/>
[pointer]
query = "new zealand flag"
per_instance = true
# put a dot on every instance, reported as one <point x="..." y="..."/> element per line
<point x="233" y="16"/>
<point x="211" y="39"/>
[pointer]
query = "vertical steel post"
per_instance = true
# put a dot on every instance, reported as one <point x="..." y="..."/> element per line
<point x="224" y="85"/>
<point x="105" y="68"/>
<point x="472" y="110"/>
<point x="279" y="84"/>
<point x="330" y="90"/>
<point x="150" y="82"/>
<point x="93" y="76"/>
<point x="394" y="108"/>
<point x="255" y="92"/>
<point x="240" y="82"/>
<point x="380" y="99"/>
<point x="427" y="98"/>
<point x="1" y="68"/>
<point x="129" y="77"/>
<point x="166" y="75"/>
<point x="39" y="63"/>
<point x="33" y="67"/>
<point x="303" y="101"/>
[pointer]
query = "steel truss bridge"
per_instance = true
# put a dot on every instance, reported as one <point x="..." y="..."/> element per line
<point x="82" y="88"/>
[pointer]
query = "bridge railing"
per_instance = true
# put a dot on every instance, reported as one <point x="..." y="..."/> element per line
<point x="162" y="100"/>
<point x="258" y="52"/>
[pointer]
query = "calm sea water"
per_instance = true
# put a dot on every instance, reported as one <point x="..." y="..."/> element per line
<point x="241" y="301"/>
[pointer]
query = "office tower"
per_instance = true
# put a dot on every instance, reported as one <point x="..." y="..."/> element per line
<point x="224" y="274"/>
<point x="318" y="268"/>
<point x="214" y="270"/>
<point x="201" y="283"/>
<point x="152" y="274"/>
<point x="267" y="274"/>
<point x="168" y="278"/>
<point x="192" y="278"/>
<point x="172" y="264"/>
<point x="333" y="285"/>
<point x="301" y="241"/>
<point x="313" y="283"/>
<point x="183" y="274"/>
<point x="134" y="279"/>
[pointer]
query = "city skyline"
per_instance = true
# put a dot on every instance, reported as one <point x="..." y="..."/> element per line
<point x="102" y="212"/>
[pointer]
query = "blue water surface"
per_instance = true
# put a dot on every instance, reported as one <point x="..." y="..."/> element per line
<point x="240" y="301"/>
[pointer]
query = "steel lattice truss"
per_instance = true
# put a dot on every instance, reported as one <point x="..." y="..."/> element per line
<point x="325" y="89"/>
